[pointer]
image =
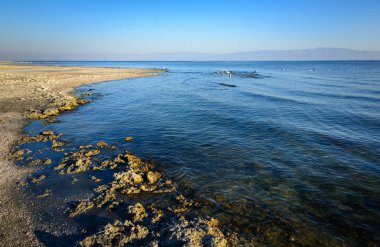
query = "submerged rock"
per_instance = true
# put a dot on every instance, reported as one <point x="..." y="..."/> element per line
<point x="92" y="153"/>
<point x="39" y="179"/>
<point x="45" y="194"/>
<point x="101" y="145"/>
<point x="117" y="234"/>
<point x="35" y="162"/>
<point x="197" y="232"/>
<point x="137" y="212"/>
<point x="86" y="147"/>
<point x="153" y="176"/>
<point x="57" y="144"/>
<point x="47" y="133"/>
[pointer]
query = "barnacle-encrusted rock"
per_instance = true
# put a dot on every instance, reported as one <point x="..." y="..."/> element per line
<point x="47" y="162"/>
<point x="57" y="144"/>
<point x="153" y="176"/>
<point x="92" y="153"/>
<point x="117" y="234"/>
<point x="197" y="232"/>
<point x="137" y="212"/>
<point x="39" y="179"/>
<point x="101" y="145"/>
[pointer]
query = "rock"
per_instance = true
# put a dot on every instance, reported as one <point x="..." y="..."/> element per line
<point x="35" y="114"/>
<point x="128" y="139"/>
<point x="35" y="162"/>
<point x="86" y="147"/>
<point x="101" y="145"/>
<point x="137" y="212"/>
<point x="119" y="159"/>
<point x="19" y="153"/>
<point x="47" y="162"/>
<point x="45" y="194"/>
<point x="39" y="179"/>
<point x="92" y="153"/>
<point x="197" y="232"/>
<point x="117" y="234"/>
<point x="50" y="112"/>
<point x="153" y="176"/>
<point x="83" y="206"/>
<point x="57" y="144"/>
<point x="52" y="120"/>
<point x="129" y="177"/>
<point x="95" y="179"/>
<point x="82" y="101"/>
<point x="47" y="133"/>
<point x="81" y="165"/>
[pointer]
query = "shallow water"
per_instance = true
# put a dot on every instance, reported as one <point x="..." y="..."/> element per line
<point x="291" y="151"/>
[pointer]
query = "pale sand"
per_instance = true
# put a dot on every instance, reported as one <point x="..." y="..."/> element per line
<point x="23" y="88"/>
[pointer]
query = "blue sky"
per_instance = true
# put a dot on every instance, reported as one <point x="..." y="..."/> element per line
<point x="79" y="28"/>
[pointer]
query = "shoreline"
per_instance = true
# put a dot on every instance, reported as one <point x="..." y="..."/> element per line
<point x="33" y="92"/>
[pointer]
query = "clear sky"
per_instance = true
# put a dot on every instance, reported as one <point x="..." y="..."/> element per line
<point x="79" y="28"/>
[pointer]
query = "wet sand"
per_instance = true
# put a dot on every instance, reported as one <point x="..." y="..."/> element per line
<point x="33" y="92"/>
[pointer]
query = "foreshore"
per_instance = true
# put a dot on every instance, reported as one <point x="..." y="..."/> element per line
<point x="31" y="92"/>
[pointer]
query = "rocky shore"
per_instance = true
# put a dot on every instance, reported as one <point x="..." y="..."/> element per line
<point x="154" y="211"/>
<point x="35" y="92"/>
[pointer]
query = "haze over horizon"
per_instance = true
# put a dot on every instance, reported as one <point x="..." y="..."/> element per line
<point x="179" y="30"/>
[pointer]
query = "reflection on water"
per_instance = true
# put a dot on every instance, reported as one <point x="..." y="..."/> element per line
<point x="278" y="149"/>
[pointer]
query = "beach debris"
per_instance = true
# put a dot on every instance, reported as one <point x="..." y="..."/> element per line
<point x="45" y="194"/>
<point x="128" y="139"/>
<point x="39" y="179"/>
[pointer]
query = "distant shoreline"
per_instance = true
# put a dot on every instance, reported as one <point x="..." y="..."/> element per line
<point x="33" y="63"/>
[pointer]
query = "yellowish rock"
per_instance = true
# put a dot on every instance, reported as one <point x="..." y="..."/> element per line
<point x="128" y="139"/>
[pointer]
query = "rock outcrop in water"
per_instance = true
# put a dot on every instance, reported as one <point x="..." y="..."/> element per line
<point x="178" y="221"/>
<point x="58" y="105"/>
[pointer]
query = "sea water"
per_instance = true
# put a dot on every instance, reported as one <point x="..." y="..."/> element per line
<point x="277" y="149"/>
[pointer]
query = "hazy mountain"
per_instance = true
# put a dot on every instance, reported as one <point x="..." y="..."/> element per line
<point x="308" y="54"/>
<point x="265" y="55"/>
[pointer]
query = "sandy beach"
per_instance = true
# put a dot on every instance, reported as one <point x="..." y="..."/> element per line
<point x="33" y="92"/>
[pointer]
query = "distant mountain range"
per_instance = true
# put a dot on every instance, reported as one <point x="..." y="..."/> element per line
<point x="264" y="55"/>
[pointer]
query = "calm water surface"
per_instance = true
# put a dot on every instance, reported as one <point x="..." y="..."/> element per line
<point x="293" y="152"/>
